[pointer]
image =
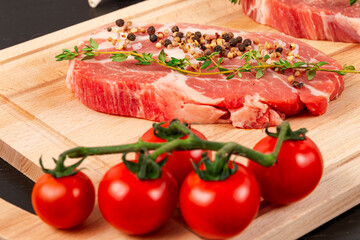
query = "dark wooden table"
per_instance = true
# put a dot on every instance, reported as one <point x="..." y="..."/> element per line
<point x="22" y="20"/>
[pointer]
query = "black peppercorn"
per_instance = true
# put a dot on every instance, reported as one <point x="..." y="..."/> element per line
<point x="233" y="42"/>
<point x="167" y="42"/>
<point x="218" y="48"/>
<point x="153" y="38"/>
<point x="297" y="84"/>
<point x="231" y="35"/>
<point x="226" y="37"/>
<point x="120" y="22"/>
<point x="279" y="49"/>
<point x="198" y="34"/>
<point x="109" y="29"/>
<point x="239" y="39"/>
<point x="208" y="52"/>
<point x="196" y="38"/>
<point x="180" y="34"/>
<point x="241" y="47"/>
<point x="175" y="29"/>
<point x="202" y="46"/>
<point x="151" y="30"/>
<point x="131" y="36"/>
<point x="247" y="42"/>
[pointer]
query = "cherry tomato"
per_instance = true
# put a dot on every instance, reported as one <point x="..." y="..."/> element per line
<point x="136" y="206"/>
<point x="220" y="209"/>
<point x="296" y="173"/>
<point x="178" y="162"/>
<point x="63" y="202"/>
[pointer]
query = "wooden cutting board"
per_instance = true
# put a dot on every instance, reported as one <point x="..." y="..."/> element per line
<point x="41" y="117"/>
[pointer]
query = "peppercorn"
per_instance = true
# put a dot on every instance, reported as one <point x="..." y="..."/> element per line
<point x="109" y="29"/>
<point x="227" y="45"/>
<point x="131" y="36"/>
<point x="279" y="49"/>
<point x="151" y="30"/>
<point x="233" y="42"/>
<point x="226" y="37"/>
<point x="297" y="84"/>
<point x="175" y="29"/>
<point x="218" y="48"/>
<point x="241" y="47"/>
<point x="196" y="38"/>
<point x="153" y="37"/>
<point x="231" y="35"/>
<point x="239" y="39"/>
<point x="167" y="42"/>
<point x="180" y="34"/>
<point x="197" y="33"/>
<point x="247" y="42"/>
<point x="208" y="51"/>
<point x="202" y="46"/>
<point x="120" y="22"/>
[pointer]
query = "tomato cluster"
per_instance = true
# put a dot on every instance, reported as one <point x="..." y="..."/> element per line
<point x="213" y="209"/>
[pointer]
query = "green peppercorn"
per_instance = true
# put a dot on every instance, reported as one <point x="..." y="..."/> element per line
<point x="198" y="34"/>
<point x="153" y="37"/>
<point x="167" y="42"/>
<point x="247" y="42"/>
<point x="131" y="36"/>
<point x="233" y="42"/>
<point x="226" y="37"/>
<point x="180" y="34"/>
<point x="279" y="49"/>
<point x="239" y="39"/>
<point x="241" y="47"/>
<point x="109" y="29"/>
<point x="218" y="48"/>
<point x="175" y="29"/>
<point x="151" y="30"/>
<point x="120" y="22"/>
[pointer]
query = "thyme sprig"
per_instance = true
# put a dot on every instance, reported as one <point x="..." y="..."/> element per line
<point x="208" y="64"/>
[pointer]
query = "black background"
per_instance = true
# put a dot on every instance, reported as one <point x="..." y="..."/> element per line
<point x="22" y="20"/>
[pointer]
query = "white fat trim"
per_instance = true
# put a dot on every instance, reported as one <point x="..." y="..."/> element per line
<point x="349" y="22"/>
<point x="261" y="9"/>
<point x="69" y="75"/>
<point x="316" y="92"/>
<point x="177" y="82"/>
<point x="325" y="21"/>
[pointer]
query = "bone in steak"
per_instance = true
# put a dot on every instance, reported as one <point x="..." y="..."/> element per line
<point x="333" y="20"/>
<point x="160" y="94"/>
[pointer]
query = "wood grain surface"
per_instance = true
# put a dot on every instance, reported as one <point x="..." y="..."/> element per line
<point x="36" y="105"/>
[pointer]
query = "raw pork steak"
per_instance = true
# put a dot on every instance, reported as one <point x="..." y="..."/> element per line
<point x="157" y="93"/>
<point x="333" y="20"/>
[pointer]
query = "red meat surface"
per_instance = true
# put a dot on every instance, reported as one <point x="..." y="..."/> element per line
<point x="333" y="20"/>
<point x="156" y="93"/>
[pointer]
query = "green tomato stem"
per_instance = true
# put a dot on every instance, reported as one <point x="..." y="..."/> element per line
<point x="191" y="143"/>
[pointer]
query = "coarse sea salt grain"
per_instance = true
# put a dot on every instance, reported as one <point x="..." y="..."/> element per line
<point x="137" y="46"/>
